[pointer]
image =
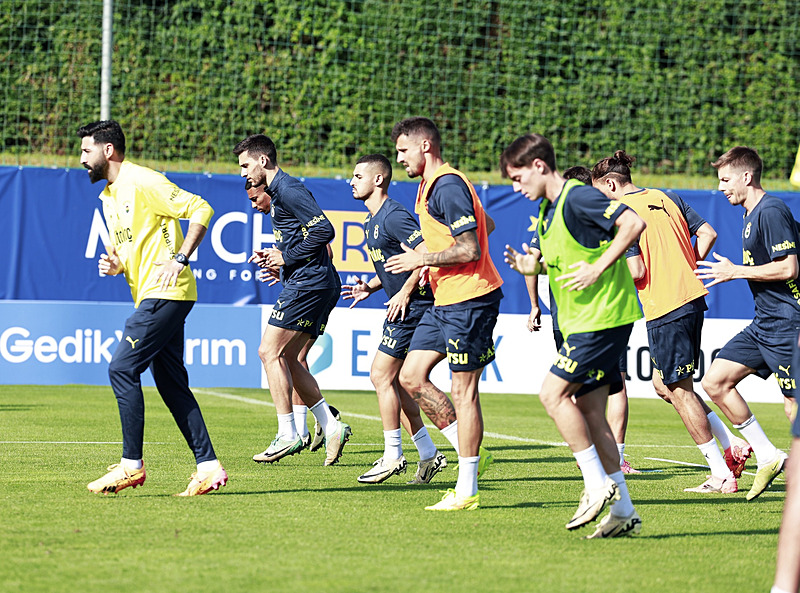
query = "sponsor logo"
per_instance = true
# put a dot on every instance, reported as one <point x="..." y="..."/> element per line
<point x="786" y="383"/>
<point x="91" y="346"/>
<point x="596" y="374"/>
<point x="464" y="220"/>
<point x="567" y="364"/>
<point x="612" y="207"/>
<point x="461" y="358"/>
<point x="783" y="246"/>
<point x="376" y="254"/>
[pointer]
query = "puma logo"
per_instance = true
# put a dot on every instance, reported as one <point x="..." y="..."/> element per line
<point x="390" y="330"/>
<point x="279" y="303"/>
<point x="455" y="344"/>
<point x="663" y="208"/>
<point x="785" y="369"/>
<point x="133" y="342"/>
<point x="569" y="349"/>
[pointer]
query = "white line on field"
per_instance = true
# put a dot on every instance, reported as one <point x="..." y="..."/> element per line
<point x="70" y="443"/>
<point x="494" y="435"/>
<point x="690" y="464"/>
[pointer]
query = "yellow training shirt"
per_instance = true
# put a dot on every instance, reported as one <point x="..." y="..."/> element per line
<point x="142" y="209"/>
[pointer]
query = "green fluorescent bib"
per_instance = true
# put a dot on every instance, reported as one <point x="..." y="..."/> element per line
<point x="609" y="302"/>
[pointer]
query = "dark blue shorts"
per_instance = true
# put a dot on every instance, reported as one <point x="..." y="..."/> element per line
<point x="463" y="334"/>
<point x="592" y="358"/>
<point x="675" y="347"/>
<point x="614" y="386"/>
<point x="397" y="334"/>
<point x="330" y="308"/>
<point x="303" y="310"/>
<point x="767" y="352"/>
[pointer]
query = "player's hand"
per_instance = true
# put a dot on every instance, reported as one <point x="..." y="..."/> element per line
<point x="718" y="272"/>
<point x="397" y="305"/>
<point x="408" y="261"/>
<point x="259" y="258"/>
<point x="273" y="257"/>
<point x="168" y="275"/>
<point x="358" y="292"/>
<point x="525" y="263"/>
<point x="584" y="276"/>
<point x="271" y="275"/>
<point x="109" y="263"/>
<point x="535" y="319"/>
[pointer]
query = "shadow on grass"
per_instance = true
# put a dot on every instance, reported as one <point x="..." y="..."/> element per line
<point x="711" y="533"/>
<point x="18" y="407"/>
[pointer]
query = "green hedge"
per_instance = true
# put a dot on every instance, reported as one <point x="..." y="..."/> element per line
<point x="674" y="83"/>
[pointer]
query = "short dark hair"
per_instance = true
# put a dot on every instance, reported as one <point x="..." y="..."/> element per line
<point x="383" y="164"/>
<point x="417" y="126"/>
<point x="618" y="166"/>
<point x="522" y="152"/>
<point x="742" y="157"/>
<point x="579" y="172"/>
<point x="256" y="145"/>
<point x="106" y="131"/>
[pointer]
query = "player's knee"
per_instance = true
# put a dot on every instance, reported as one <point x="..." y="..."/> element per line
<point x="712" y="385"/>
<point x="121" y="375"/>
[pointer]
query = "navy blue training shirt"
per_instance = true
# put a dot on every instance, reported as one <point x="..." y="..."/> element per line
<point x="302" y="233"/>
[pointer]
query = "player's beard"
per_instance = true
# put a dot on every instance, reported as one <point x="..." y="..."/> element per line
<point x="98" y="172"/>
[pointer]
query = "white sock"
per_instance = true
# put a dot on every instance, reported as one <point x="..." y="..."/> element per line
<point x="286" y="428"/>
<point x="450" y="432"/>
<point x="753" y="433"/>
<point x="621" y="449"/>
<point x="322" y="413"/>
<point x="710" y="450"/>
<point x="207" y="466"/>
<point x="131" y="463"/>
<point x="594" y="476"/>
<point x="300" y="422"/>
<point x="467" y="483"/>
<point x="424" y="444"/>
<point x="624" y="506"/>
<point x="719" y="430"/>
<point x="392" y="444"/>
<point x="778" y="590"/>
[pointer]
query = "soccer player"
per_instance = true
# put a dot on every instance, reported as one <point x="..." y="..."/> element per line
<point x="787" y="569"/>
<point x="583" y="237"/>
<point x="769" y="252"/>
<point x="302" y="233"/>
<point x="258" y="195"/>
<point x="141" y="208"/>
<point x="673" y="300"/>
<point x="388" y="226"/>
<point x="617" y="408"/>
<point x="466" y="288"/>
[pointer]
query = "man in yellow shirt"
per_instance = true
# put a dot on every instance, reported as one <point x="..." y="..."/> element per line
<point x="142" y="209"/>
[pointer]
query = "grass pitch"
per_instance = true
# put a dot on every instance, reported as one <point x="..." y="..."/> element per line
<point x="298" y="526"/>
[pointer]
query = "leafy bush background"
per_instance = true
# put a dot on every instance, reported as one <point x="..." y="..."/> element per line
<point x="675" y="83"/>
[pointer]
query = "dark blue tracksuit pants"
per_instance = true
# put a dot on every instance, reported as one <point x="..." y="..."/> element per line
<point x="153" y="337"/>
